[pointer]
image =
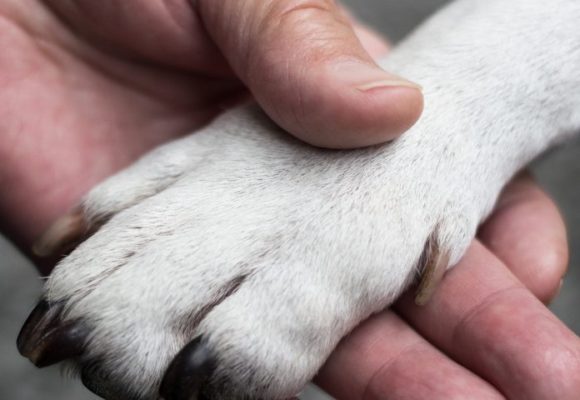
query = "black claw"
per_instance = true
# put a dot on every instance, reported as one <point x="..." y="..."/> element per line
<point x="45" y="341"/>
<point x="28" y="330"/>
<point x="188" y="372"/>
<point x="61" y="344"/>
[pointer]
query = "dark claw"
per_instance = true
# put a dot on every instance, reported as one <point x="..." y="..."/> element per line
<point x="28" y="330"/>
<point x="188" y="372"/>
<point x="40" y="320"/>
<point x="45" y="341"/>
<point x="61" y="344"/>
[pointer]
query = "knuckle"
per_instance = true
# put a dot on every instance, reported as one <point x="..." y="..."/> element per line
<point x="317" y="27"/>
<point x="313" y="31"/>
<point x="295" y="15"/>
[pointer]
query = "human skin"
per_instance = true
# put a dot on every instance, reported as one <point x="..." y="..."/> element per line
<point x="87" y="87"/>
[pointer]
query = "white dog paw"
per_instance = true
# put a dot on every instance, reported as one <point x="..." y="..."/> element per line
<point x="229" y="264"/>
<point x="233" y="261"/>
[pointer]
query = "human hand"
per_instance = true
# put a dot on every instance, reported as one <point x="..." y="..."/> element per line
<point x="90" y="86"/>
<point x="95" y="110"/>
<point x="485" y="334"/>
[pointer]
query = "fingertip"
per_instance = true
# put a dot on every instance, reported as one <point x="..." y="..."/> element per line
<point x="337" y="115"/>
<point x="382" y="115"/>
<point x="528" y="234"/>
<point x="397" y="109"/>
<point x="547" y="273"/>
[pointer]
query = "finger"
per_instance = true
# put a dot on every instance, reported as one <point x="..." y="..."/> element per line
<point x="385" y="358"/>
<point x="486" y="320"/>
<point x="306" y="67"/>
<point x="527" y="232"/>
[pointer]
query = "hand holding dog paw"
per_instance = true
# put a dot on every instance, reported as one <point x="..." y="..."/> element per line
<point x="107" y="81"/>
<point x="114" y="93"/>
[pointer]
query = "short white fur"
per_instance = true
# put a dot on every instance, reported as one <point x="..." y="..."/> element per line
<point x="314" y="241"/>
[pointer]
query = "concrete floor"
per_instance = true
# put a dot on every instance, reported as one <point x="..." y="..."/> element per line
<point x="559" y="173"/>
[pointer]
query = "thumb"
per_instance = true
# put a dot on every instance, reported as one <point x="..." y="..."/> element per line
<point x="303" y="63"/>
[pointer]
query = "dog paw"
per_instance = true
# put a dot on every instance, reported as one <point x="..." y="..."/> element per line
<point x="230" y="263"/>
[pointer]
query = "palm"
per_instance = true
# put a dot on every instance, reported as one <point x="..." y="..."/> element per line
<point x="72" y="113"/>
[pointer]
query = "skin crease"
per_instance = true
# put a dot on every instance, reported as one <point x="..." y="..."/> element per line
<point x="100" y="100"/>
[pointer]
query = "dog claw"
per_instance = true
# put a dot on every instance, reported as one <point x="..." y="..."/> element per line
<point x="28" y="330"/>
<point x="62" y="233"/>
<point x="45" y="341"/>
<point x="37" y="322"/>
<point x="61" y="344"/>
<point x="188" y="372"/>
<point x="436" y="264"/>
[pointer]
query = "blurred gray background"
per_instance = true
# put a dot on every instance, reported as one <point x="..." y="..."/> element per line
<point x="558" y="172"/>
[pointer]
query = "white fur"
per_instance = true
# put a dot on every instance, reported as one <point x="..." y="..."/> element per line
<point x="317" y="240"/>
